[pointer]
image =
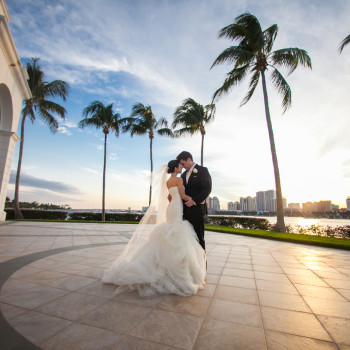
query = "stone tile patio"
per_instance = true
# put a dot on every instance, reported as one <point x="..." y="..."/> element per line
<point x="260" y="294"/>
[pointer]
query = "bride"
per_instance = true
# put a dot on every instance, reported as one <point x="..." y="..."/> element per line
<point x="163" y="254"/>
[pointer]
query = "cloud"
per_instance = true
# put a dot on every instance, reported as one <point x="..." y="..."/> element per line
<point x="69" y="124"/>
<point x="160" y="53"/>
<point x="113" y="156"/>
<point x="66" y="126"/>
<point x="54" y="186"/>
<point x="64" y="130"/>
<point x="89" y="170"/>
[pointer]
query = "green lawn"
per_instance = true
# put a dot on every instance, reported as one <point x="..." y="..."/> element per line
<point x="340" y="243"/>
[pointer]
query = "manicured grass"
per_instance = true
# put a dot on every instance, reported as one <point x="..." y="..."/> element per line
<point x="330" y="242"/>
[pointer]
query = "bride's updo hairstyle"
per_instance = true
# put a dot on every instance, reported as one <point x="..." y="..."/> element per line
<point x="172" y="165"/>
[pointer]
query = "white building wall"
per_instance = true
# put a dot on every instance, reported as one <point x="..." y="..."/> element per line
<point x="13" y="90"/>
<point x="7" y="146"/>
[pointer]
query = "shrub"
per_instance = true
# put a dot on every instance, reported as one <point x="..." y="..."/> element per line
<point x="320" y="230"/>
<point x="342" y="231"/>
<point x="37" y="214"/>
<point x="240" y="222"/>
<point x="109" y="216"/>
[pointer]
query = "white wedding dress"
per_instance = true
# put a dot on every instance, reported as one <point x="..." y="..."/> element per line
<point x="170" y="261"/>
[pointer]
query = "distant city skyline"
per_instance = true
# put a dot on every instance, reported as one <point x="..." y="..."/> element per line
<point x="266" y="201"/>
<point x="132" y="60"/>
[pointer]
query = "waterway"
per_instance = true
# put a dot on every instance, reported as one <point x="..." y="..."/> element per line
<point x="289" y="220"/>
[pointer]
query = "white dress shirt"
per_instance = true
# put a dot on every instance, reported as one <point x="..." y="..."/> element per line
<point x="189" y="172"/>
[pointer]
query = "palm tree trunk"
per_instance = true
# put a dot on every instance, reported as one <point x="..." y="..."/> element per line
<point x="104" y="181"/>
<point x="280" y="226"/>
<point x="18" y="214"/>
<point x="150" y="185"/>
<point x="202" y="149"/>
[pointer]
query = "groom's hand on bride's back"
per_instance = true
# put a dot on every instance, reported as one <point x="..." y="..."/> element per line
<point x="190" y="202"/>
<point x="169" y="197"/>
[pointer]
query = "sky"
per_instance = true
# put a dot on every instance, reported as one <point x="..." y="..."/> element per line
<point x="159" y="52"/>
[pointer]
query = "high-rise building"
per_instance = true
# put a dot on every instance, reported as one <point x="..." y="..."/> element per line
<point x="209" y="202"/>
<point x="321" y="206"/>
<point x="216" y="203"/>
<point x="233" y="206"/>
<point x="270" y="201"/>
<point x="294" y="206"/>
<point x="248" y="204"/>
<point x="334" y="207"/>
<point x="348" y="204"/>
<point x="324" y="206"/>
<point x="260" y="201"/>
<point x="308" y="207"/>
<point x="284" y="202"/>
<point x="243" y="204"/>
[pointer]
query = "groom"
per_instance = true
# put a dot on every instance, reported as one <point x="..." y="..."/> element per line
<point x="197" y="182"/>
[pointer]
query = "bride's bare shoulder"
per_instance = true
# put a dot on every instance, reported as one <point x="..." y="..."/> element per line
<point x="174" y="182"/>
<point x="171" y="183"/>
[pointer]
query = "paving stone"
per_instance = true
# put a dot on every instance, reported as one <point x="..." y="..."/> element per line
<point x="260" y="294"/>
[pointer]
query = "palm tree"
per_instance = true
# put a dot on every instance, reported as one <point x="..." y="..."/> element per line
<point x="100" y="116"/>
<point x="39" y="105"/>
<point x="143" y="121"/>
<point x="193" y="117"/>
<point x="345" y="42"/>
<point x="253" y="55"/>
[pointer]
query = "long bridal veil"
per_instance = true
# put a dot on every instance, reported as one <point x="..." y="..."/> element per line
<point x="155" y="215"/>
<point x="163" y="254"/>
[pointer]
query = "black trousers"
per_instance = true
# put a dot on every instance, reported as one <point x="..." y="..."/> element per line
<point x="195" y="215"/>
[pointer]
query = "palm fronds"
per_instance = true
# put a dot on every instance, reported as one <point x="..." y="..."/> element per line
<point x="345" y="42"/>
<point x="291" y="58"/>
<point x="234" y="78"/>
<point x="283" y="88"/>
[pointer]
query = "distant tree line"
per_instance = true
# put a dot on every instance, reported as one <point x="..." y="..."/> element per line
<point x="35" y="205"/>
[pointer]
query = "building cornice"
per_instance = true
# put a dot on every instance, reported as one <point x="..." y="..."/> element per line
<point x="9" y="49"/>
<point x="4" y="11"/>
<point x="10" y="134"/>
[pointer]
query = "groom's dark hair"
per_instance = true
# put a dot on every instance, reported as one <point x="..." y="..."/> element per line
<point x="184" y="155"/>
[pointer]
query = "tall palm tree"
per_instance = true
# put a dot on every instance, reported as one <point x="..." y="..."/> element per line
<point x="253" y="56"/>
<point x="102" y="117"/>
<point x="39" y="105"/>
<point x="142" y="121"/>
<point x="193" y="117"/>
<point x="345" y="42"/>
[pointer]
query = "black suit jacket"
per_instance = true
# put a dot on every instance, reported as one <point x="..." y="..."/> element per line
<point x="199" y="184"/>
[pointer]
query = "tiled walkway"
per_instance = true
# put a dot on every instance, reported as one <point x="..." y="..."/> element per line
<point x="260" y="294"/>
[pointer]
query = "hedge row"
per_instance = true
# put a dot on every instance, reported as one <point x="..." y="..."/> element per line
<point x="240" y="222"/>
<point x="64" y="215"/>
<point x="109" y="216"/>
<point x="37" y="214"/>
<point x="235" y="222"/>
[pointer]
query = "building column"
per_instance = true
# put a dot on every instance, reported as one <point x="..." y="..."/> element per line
<point x="8" y="141"/>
